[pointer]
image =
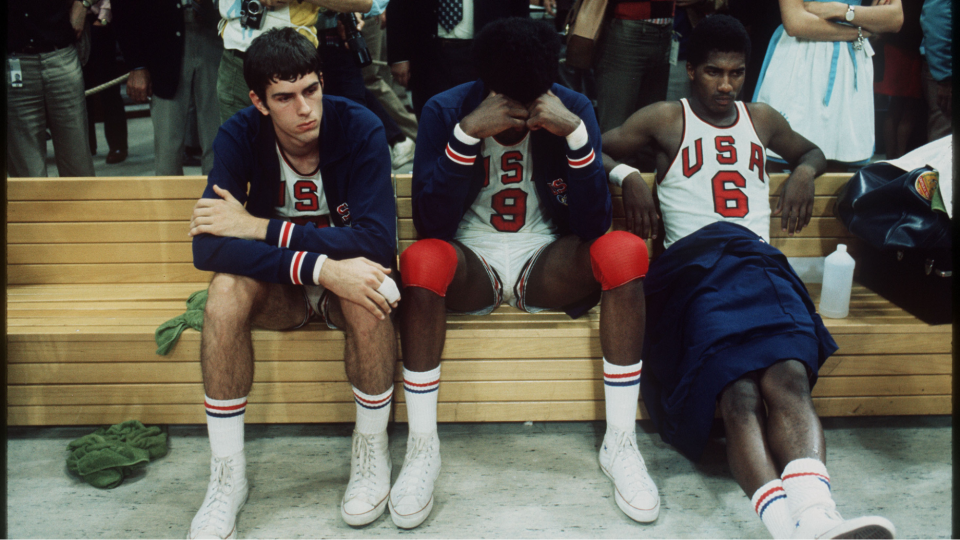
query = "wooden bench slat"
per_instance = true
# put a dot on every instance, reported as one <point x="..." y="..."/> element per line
<point x="105" y="273"/>
<point x="98" y="232"/>
<point x="106" y="188"/>
<point x="99" y="211"/>
<point x="61" y="254"/>
<point x="446" y="412"/>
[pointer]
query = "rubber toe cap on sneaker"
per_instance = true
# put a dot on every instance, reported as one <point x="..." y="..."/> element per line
<point x="357" y="513"/>
<point x="407" y="513"/>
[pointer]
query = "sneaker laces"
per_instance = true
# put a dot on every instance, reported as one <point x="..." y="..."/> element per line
<point x="365" y="456"/>
<point x="416" y="465"/>
<point x="216" y="508"/>
<point x="632" y="464"/>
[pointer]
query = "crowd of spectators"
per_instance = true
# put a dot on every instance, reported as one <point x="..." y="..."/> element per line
<point x="826" y="66"/>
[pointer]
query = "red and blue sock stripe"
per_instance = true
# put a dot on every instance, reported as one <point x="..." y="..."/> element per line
<point x="421" y="388"/>
<point x="372" y="404"/>
<point x="821" y="477"/>
<point x="768" y="498"/>
<point x="622" y="379"/>
<point x="229" y="411"/>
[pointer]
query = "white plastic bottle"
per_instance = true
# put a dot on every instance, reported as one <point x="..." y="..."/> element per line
<point x="837" y="282"/>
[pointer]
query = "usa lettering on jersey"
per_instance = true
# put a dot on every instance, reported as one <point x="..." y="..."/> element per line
<point x="718" y="174"/>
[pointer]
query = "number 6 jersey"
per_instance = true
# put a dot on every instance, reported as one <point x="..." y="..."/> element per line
<point x="717" y="175"/>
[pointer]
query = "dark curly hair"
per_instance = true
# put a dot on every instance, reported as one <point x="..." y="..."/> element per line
<point x="517" y="57"/>
<point x="721" y="33"/>
<point x="279" y="54"/>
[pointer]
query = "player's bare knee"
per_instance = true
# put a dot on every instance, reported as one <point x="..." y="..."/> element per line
<point x="231" y="297"/>
<point x="429" y="264"/>
<point x="618" y="258"/>
<point x="786" y="380"/>
<point x="740" y="400"/>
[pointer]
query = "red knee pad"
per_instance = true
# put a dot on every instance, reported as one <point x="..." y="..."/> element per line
<point x="429" y="264"/>
<point x="617" y="258"/>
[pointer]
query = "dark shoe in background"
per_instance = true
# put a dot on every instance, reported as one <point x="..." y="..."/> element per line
<point x="116" y="156"/>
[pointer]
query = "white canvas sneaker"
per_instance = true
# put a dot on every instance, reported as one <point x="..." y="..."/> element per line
<point x="634" y="490"/>
<point x="369" y="486"/>
<point x="823" y="521"/>
<point x="402" y="153"/>
<point x="226" y="493"/>
<point x="411" y="498"/>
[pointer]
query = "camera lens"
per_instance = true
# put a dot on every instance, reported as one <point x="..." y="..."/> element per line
<point x="254" y="8"/>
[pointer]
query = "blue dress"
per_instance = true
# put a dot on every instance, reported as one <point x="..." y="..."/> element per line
<point x="825" y="91"/>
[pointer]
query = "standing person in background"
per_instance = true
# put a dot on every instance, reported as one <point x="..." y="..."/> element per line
<point x="901" y="82"/>
<point x="632" y="66"/>
<point x="761" y="19"/>
<point x="688" y="14"/>
<point x="238" y="32"/>
<point x="173" y="50"/>
<point x="101" y="67"/>
<point x="45" y="88"/>
<point x="428" y="45"/>
<point x="937" y="24"/>
<point x="818" y="73"/>
<point x="377" y="77"/>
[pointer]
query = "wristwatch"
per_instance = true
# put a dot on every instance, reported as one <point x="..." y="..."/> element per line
<point x="849" y="14"/>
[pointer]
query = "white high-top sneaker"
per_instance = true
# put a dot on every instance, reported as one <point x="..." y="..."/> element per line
<point x="634" y="490"/>
<point x="369" y="486"/>
<point x="411" y="498"/>
<point x="823" y="521"/>
<point x="226" y="493"/>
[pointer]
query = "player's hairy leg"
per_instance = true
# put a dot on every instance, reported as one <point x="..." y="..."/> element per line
<point x="744" y="418"/>
<point x="234" y="305"/>
<point x="793" y="427"/>
<point x="370" y="353"/>
<point x="423" y="313"/>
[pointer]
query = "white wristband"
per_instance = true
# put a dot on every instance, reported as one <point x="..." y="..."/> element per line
<point x="462" y="136"/>
<point x="388" y="290"/>
<point x="316" y="268"/>
<point x="620" y="172"/>
<point x="579" y="137"/>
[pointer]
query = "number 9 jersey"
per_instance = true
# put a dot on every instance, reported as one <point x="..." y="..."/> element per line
<point x="717" y="175"/>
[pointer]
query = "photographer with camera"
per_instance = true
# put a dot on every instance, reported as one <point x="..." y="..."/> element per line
<point x="245" y="20"/>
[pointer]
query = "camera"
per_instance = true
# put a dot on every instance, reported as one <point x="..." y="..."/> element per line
<point x="357" y="45"/>
<point x="251" y="14"/>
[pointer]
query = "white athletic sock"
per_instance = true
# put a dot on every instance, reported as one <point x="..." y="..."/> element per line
<point x="420" y="388"/>
<point x="225" y="425"/>
<point x="770" y="503"/>
<point x="373" y="412"/>
<point x="621" y="390"/>
<point x="807" y="484"/>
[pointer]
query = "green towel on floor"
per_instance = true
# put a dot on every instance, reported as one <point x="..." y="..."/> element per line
<point x="169" y="332"/>
<point x="106" y="456"/>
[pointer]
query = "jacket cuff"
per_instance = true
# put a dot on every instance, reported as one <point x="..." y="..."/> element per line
<point x="462" y="149"/>
<point x="301" y="267"/>
<point x="279" y="233"/>
<point x="580" y="158"/>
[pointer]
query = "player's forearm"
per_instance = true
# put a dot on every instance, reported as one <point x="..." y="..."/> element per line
<point x="254" y="259"/>
<point x="814" y="161"/>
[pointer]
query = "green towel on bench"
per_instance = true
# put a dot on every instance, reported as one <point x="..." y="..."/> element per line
<point x="169" y="332"/>
<point x="104" y="457"/>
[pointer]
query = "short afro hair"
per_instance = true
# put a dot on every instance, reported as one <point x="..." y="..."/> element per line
<point x="518" y="57"/>
<point x="279" y="54"/>
<point x="720" y="33"/>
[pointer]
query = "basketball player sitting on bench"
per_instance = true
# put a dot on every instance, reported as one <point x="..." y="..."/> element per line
<point x="510" y="196"/>
<point x="728" y="319"/>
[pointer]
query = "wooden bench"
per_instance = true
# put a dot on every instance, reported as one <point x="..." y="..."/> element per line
<point x="96" y="264"/>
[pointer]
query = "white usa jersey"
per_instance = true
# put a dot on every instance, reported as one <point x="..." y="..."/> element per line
<point x="717" y="175"/>
<point x="508" y="201"/>
<point x="300" y="198"/>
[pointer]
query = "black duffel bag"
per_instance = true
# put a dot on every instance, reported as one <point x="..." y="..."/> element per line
<point x="907" y="258"/>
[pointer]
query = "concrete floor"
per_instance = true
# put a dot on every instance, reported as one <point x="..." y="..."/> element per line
<point x="505" y="480"/>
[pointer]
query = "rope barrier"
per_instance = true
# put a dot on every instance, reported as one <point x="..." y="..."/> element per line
<point x="106" y="85"/>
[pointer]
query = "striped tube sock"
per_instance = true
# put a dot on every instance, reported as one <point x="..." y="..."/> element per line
<point x="420" y="388"/>
<point x="807" y="484"/>
<point x="770" y="503"/>
<point x="621" y="389"/>
<point x="373" y="412"/>
<point x="225" y="425"/>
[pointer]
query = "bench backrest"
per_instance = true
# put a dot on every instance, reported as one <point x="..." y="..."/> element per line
<point x="134" y="230"/>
